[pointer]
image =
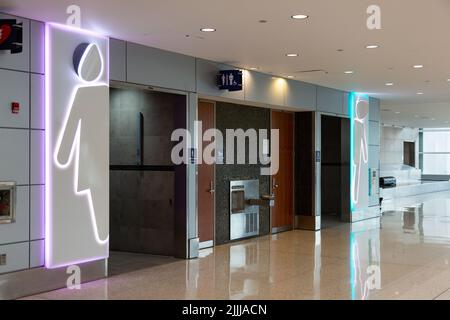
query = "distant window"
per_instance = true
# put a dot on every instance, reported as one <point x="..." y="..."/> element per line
<point x="435" y="151"/>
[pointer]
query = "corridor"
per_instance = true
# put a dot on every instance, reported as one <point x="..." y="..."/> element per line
<point x="403" y="255"/>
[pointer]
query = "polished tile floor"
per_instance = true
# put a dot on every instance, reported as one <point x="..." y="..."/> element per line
<point x="403" y="255"/>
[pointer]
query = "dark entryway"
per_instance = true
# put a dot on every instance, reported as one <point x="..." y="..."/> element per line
<point x="335" y="169"/>
<point x="409" y="153"/>
<point x="146" y="188"/>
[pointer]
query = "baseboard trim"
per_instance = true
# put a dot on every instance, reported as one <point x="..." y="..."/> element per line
<point x="33" y="281"/>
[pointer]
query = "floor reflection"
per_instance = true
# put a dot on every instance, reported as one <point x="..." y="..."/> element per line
<point x="403" y="255"/>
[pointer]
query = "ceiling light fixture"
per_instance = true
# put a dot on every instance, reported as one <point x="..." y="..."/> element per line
<point x="207" y="29"/>
<point x="397" y="112"/>
<point x="290" y="77"/>
<point x="300" y="16"/>
<point x="389" y="84"/>
<point x="419" y="93"/>
<point x="372" y="46"/>
<point x="349" y="72"/>
<point x="418" y="66"/>
<point x="291" y="55"/>
<point x="253" y="68"/>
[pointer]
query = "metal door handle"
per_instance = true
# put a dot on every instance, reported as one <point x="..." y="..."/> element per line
<point x="211" y="188"/>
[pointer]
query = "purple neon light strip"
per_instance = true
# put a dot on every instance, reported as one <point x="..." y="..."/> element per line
<point x="48" y="189"/>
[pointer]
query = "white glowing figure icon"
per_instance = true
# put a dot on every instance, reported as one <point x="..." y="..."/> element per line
<point x="361" y="152"/>
<point x="82" y="141"/>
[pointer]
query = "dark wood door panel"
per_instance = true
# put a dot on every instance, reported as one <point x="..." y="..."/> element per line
<point x="205" y="179"/>
<point x="282" y="182"/>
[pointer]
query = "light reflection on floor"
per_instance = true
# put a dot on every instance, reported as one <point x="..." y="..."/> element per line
<point x="403" y="255"/>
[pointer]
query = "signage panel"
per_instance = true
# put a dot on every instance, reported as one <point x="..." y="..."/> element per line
<point x="77" y="146"/>
<point x="230" y="80"/>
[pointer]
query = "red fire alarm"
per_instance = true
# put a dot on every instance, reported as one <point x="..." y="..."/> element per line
<point x="15" y="107"/>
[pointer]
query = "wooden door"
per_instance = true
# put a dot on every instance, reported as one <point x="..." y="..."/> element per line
<point x="282" y="182"/>
<point x="206" y="181"/>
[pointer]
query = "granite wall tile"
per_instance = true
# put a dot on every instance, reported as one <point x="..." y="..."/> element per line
<point x="232" y="116"/>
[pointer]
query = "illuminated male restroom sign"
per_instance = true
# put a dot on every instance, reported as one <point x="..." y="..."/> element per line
<point x="77" y="146"/>
<point x="359" y="151"/>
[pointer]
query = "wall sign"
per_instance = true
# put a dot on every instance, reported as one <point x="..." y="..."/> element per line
<point x="11" y="35"/>
<point x="230" y="80"/>
<point x="317" y="156"/>
<point x="359" y="151"/>
<point x="77" y="146"/>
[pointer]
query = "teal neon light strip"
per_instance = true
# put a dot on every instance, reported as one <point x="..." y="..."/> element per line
<point x="351" y="109"/>
<point x="352" y="104"/>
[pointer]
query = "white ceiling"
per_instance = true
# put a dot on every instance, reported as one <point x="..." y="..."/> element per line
<point x="413" y="32"/>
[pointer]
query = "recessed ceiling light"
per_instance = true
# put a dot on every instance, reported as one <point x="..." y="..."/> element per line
<point x="389" y="84"/>
<point x="372" y="46"/>
<point x="416" y="116"/>
<point x="448" y="79"/>
<point x="418" y="66"/>
<point x="397" y="112"/>
<point x="300" y="16"/>
<point x="207" y="29"/>
<point x="432" y="119"/>
<point x="349" y="72"/>
<point x="253" y="68"/>
<point x="290" y="77"/>
<point x="419" y="93"/>
<point x="291" y="54"/>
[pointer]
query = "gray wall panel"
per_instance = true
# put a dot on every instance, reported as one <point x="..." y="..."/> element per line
<point x="19" y="61"/>
<point x="117" y="59"/>
<point x="14" y="162"/>
<point x="301" y="94"/>
<point x="18" y="231"/>
<point x="374" y="133"/>
<point x="37" y="254"/>
<point x="263" y="88"/>
<point x="329" y="100"/>
<point x="37" y="207"/>
<point x="37" y="87"/>
<point x="345" y="101"/>
<point x="37" y="157"/>
<point x="37" y="40"/>
<point x="374" y="163"/>
<point x="160" y="68"/>
<point x="17" y="257"/>
<point x="14" y="87"/>
<point x="206" y="80"/>
<point x="374" y="114"/>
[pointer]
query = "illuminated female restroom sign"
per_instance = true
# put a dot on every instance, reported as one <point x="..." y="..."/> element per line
<point x="77" y="146"/>
<point x="359" y="151"/>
